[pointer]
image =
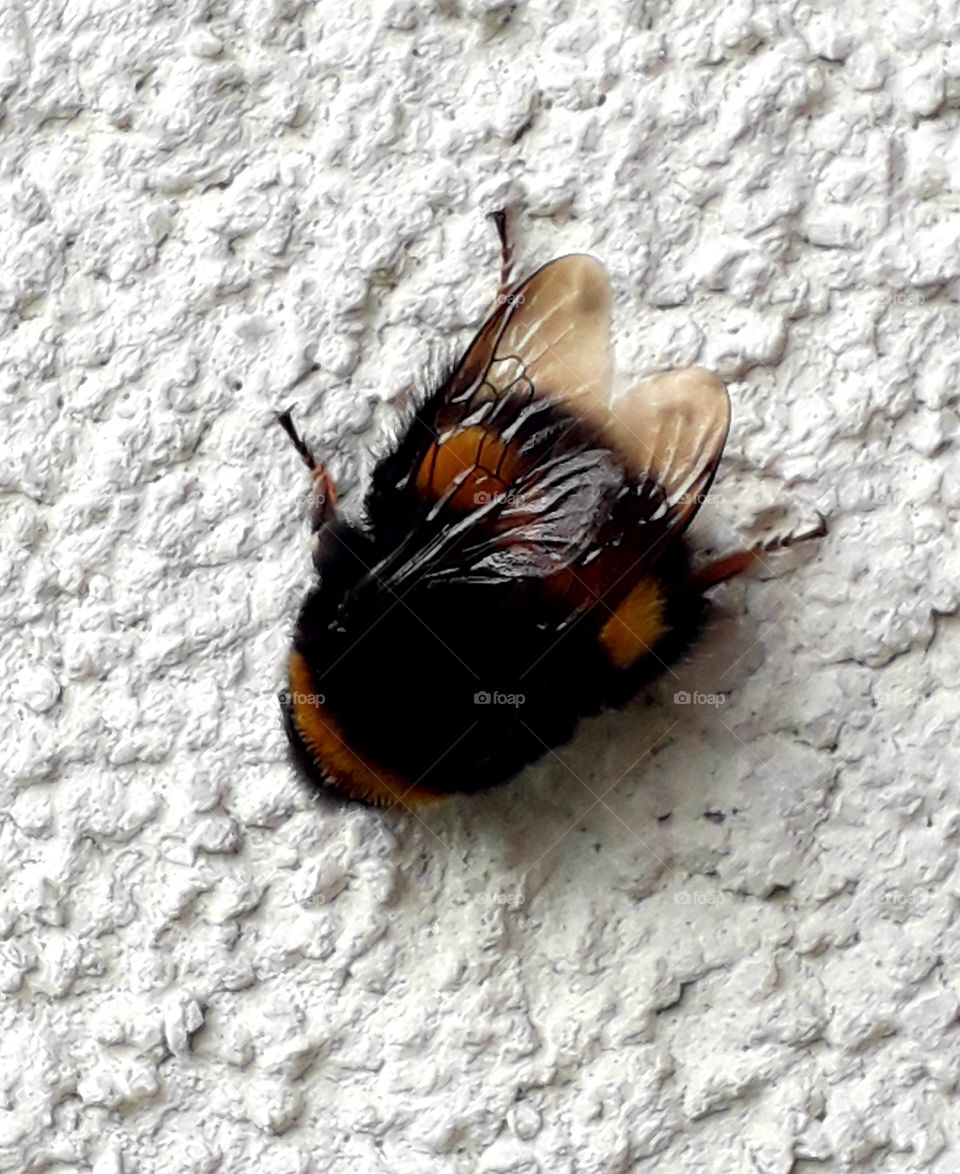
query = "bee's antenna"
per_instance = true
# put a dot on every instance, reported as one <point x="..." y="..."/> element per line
<point x="324" y="491"/>
<point x="499" y="218"/>
<point x="286" y="423"/>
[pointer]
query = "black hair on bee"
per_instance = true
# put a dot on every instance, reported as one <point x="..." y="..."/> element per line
<point x="522" y="562"/>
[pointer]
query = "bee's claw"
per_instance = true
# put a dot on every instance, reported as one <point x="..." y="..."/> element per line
<point x="787" y="540"/>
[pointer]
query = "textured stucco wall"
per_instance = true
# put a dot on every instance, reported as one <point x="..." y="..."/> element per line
<point x="714" y="938"/>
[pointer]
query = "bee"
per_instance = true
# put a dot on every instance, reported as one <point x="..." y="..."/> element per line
<point x="522" y="560"/>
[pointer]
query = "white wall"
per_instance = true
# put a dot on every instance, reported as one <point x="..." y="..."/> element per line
<point x="742" y="955"/>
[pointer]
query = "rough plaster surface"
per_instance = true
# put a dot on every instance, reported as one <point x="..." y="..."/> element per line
<point x="715" y="937"/>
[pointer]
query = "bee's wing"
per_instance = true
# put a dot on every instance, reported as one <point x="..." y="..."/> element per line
<point x="509" y="452"/>
<point x="550" y="338"/>
<point x="547" y="519"/>
<point x="525" y="463"/>
<point x="671" y="430"/>
<point x="552" y="341"/>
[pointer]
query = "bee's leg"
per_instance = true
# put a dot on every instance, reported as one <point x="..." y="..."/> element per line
<point x="719" y="570"/>
<point x="499" y="219"/>
<point x="729" y="565"/>
<point x="781" y="543"/>
<point x="324" y="506"/>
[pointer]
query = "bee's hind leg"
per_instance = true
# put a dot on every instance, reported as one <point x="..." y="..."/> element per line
<point x="500" y="222"/>
<point x="737" y="561"/>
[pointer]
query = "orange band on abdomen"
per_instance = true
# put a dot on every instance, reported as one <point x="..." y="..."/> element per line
<point x="342" y="768"/>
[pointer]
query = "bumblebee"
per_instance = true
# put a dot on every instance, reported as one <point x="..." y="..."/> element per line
<point x="522" y="560"/>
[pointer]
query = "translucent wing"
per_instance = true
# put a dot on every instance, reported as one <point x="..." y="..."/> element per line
<point x="551" y="339"/>
<point x="668" y="434"/>
<point x="508" y="455"/>
<point x="525" y="467"/>
<point x="671" y="430"/>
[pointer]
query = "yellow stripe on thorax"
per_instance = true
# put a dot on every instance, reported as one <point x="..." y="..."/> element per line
<point x="480" y="462"/>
